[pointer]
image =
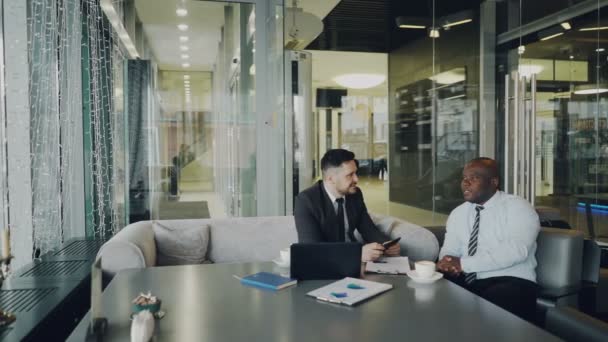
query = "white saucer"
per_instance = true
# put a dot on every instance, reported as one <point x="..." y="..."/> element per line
<point x="415" y="277"/>
<point x="280" y="262"/>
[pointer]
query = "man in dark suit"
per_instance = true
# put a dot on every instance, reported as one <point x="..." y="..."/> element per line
<point x="331" y="209"/>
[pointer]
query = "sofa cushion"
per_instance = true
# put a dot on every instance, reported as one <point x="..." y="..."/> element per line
<point x="181" y="242"/>
<point x="250" y="238"/>
<point x="129" y="248"/>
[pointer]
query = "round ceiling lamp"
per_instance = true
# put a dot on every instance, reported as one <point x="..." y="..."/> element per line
<point x="359" y="81"/>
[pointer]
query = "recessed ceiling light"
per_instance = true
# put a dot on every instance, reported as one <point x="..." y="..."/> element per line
<point x="186" y="77"/>
<point x="599" y="50"/>
<point x="359" y="81"/>
<point x="183" y="39"/>
<point x="566" y="25"/>
<point x="184" y="48"/>
<point x="185" y="65"/>
<point x="184" y="56"/>
<point x="182" y="27"/>
<point x="181" y="12"/>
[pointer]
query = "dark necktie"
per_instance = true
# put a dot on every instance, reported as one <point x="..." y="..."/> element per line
<point x="469" y="277"/>
<point x="340" y="215"/>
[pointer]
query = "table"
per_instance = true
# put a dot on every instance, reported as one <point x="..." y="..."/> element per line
<point x="206" y="303"/>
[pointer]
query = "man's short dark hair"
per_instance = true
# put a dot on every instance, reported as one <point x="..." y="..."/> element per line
<point x="335" y="158"/>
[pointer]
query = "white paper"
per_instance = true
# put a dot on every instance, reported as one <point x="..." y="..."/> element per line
<point x="390" y="265"/>
<point x="353" y="296"/>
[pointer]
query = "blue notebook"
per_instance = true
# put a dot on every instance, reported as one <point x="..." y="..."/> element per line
<point x="268" y="280"/>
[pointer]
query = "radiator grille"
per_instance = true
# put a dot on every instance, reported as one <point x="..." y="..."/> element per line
<point x="80" y="248"/>
<point x="22" y="300"/>
<point x="54" y="268"/>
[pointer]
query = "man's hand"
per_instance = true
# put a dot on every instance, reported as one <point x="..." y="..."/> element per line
<point x="371" y="252"/>
<point x="450" y="264"/>
<point x="394" y="250"/>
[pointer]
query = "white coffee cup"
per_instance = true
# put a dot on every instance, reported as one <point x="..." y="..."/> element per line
<point x="286" y="255"/>
<point x="425" y="269"/>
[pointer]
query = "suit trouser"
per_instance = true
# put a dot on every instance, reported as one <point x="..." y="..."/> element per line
<point x="513" y="294"/>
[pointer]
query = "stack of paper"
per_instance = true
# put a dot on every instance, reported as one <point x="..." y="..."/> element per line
<point x="389" y="265"/>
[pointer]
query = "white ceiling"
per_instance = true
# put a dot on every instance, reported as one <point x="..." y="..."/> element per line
<point x="205" y="20"/>
<point x="328" y="64"/>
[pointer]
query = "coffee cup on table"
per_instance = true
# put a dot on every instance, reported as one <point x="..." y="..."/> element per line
<point x="286" y="255"/>
<point x="425" y="269"/>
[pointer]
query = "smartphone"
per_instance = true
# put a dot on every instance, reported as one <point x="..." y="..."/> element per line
<point x="388" y="244"/>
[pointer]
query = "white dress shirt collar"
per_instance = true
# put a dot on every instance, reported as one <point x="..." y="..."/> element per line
<point x="331" y="197"/>
<point x="491" y="202"/>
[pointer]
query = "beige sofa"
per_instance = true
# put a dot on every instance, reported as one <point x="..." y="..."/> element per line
<point x="171" y="242"/>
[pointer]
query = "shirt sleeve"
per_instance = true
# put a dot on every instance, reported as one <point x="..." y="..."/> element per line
<point x="451" y="246"/>
<point x="516" y="240"/>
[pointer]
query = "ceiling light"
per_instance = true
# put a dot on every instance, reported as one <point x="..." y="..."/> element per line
<point x="184" y="48"/>
<point x="181" y="12"/>
<point x="450" y="77"/>
<point x="590" y="89"/>
<point x="359" y="81"/>
<point x="552" y="36"/>
<point x="186" y="77"/>
<point x="185" y="65"/>
<point x="599" y="50"/>
<point x="566" y="25"/>
<point x="434" y="32"/>
<point x="411" y="23"/>
<point x="455" y="19"/>
<point x="182" y="27"/>
<point x="550" y="33"/>
<point x="416" y="27"/>
<point x="464" y="21"/>
<point x="184" y="56"/>
<point x="571" y="57"/>
<point x="183" y="39"/>
<point x="600" y="28"/>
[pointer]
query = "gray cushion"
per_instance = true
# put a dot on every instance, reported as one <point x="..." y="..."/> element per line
<point x="250" y="238"/>
<point x="180" y="242"/>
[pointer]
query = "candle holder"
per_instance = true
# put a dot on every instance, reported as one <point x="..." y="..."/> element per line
<point x="5" y="268"/>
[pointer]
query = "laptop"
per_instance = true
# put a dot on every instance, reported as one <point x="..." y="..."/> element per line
<point x="325" y="260"/>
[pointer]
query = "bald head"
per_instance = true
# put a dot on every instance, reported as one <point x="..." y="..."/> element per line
<point x="488" y="164"/>
<point x="479" y="180"/>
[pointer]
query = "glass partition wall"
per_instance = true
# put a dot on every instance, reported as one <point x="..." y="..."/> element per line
<point x="213" y="143"/>
<point x="434" y="91"/>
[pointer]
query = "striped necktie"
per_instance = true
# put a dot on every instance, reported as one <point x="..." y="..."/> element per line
<point x="469" y="277"/>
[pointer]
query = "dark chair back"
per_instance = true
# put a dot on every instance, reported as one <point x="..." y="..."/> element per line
<point x="572" y="325"/>
<point x="560" y="263"/>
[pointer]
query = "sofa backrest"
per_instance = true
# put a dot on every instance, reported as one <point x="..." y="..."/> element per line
<point x="246" y="239"/>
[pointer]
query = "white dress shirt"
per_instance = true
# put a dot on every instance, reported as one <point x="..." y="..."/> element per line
<point x="335" y="204"/>
<point x="506" y="244"/>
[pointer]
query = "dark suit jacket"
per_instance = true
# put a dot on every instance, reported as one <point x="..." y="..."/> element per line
<point x="316" y="219"/>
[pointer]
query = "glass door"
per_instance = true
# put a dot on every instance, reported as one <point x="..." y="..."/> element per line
<point x="554" y="136"/>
